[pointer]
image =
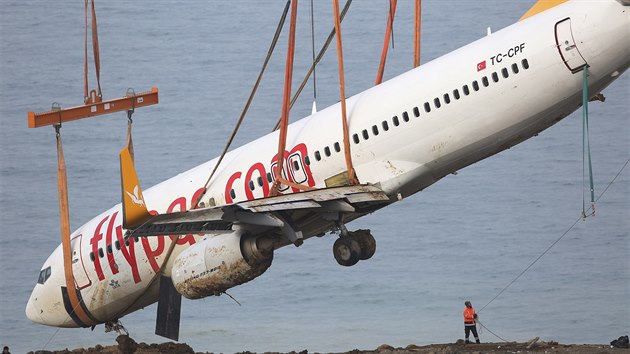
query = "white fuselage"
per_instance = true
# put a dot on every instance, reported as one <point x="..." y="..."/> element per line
<point x="405" y="134"/>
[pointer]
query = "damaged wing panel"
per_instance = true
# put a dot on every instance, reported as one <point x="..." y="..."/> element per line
<point x="262" y="212"/>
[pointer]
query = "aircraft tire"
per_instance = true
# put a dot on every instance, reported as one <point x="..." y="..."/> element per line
<point x="346" y="251"/>
<point x="367" y="243"/>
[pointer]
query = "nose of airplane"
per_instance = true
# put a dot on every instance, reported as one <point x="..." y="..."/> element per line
<point x="45" y="305"/>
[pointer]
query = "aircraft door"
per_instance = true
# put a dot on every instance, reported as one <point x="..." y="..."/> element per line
<point x="567" y="48"/>
<point x="78" y="268"/>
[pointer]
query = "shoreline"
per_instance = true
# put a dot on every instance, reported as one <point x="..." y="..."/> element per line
<point x="127" y="345"/>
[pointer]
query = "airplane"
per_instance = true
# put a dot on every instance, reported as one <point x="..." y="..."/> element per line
<point x="405" y="134"/>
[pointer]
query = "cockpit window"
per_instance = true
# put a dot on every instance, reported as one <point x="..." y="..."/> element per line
<point x="44" y="275"/>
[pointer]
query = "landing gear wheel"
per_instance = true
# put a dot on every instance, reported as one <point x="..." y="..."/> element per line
<point x="346" y="251"/>
<point x="367" y="243"/>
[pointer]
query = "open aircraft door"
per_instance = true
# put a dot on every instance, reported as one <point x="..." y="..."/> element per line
<point x="567" y="48"/>
<point x="78" y="268"/>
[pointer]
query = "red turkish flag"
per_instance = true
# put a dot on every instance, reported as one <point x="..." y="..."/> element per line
<point x="481" y="66"/>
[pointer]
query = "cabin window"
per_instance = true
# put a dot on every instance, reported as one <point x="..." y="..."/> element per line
<point x="395" y="121"/>
<point x="504" y="71"/>
<point x="117" y="244"/>
<point x="485" y="81"/>
<point x="92" y="256"/>
<point x="466" y="90"/>
<point x="296" y="161"/>
<point x="475" y="85"/>
<point x="416" y="112"/>
<point x="355" y="138"/>
<point x="269" y="179"/>
<point x="385" y="125"/>
<point x="375" y="130"/>
<point x="366" y="136"/>
<point x="327" y="151"/>
<point x="437" y="103"/>
<point x="405" y="116"/>
<point x="337" y="147"/>
<point x="260" y="181"/>
<point x="127" y="242"/>
<point x="135" y="239"/>
<point x="525" y="64"/>
<point x="318" y="156"/>
<point x="515" y="68"/>
<point x="456" y="94"/>
<point x="495" y="77"/>
<point x="307" y="160"/>
<point x="44" y="274"/>
<point x="251" y="185"/>
<point x="447" y="98"/>
<point x="427" y="107"/>
<point x="100" y="253"/>
<point x="232" y="193"/>
<point x="109" y="249"/>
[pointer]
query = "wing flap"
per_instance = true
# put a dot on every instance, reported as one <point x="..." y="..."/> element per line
<point x="262" y="213"/>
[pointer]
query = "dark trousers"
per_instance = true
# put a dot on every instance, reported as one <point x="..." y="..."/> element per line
<point x="473" y="329"/>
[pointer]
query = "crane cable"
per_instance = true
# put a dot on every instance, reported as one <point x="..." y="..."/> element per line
<point x="557" y="240"/>
<point x="586" y="147"/>
<point x="314" y="109"/>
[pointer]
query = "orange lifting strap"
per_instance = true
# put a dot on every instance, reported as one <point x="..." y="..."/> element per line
<point x="416" y="32"/>
<point x="93" y="106"/>
<point x="352" y="178"/>
<point x="388" y="34"/>
<point x="286" y="106"/>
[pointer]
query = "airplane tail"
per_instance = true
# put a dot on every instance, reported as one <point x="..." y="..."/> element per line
<point x="135" y="211"/>
<point x="540" y="6"/>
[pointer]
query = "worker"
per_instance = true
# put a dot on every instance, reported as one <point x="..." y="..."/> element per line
<point x="470" y="320"/>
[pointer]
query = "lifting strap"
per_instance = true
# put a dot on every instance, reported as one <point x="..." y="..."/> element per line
<point x="586" y="147"/>
<point x="352" y="178"/>
<point x="94" y="96"/>
<point x="246" y="108"/>
<point x="77" y="310"/>
<point x="286" y="107"/>
<point x="320" y="55"/>
<point x="416" y="33"/>
<point x="388" y="34"/>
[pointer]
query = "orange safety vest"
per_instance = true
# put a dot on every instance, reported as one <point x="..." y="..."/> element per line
<point x="469" y="316"/>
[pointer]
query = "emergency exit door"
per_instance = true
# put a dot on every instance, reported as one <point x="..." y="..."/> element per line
<point x="81" y="277"/>
<point x="567" y="48"/>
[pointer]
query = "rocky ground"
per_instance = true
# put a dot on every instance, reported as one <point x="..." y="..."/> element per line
<point x="127" y="345"/>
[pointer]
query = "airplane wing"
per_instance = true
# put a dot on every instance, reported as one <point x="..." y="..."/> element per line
<point x="290" y="214"/>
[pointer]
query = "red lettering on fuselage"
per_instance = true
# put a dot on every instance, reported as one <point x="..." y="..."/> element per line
<point x="153" y="254"/>
<point x="127" y="246"/>
<point x="294" y="170"/>
<point x="108" y="245"/>
<point x="94" y="242"/>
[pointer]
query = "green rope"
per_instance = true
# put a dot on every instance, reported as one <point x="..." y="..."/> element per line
<point x="586" y="146"/>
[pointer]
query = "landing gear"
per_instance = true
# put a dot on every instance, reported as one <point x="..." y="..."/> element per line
<point x="353" y="246"/>
<point x="367" y="243"/>
<point x="346" y="251"/>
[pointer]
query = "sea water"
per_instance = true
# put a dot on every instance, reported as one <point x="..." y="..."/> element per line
<point x="464" y="238"/>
